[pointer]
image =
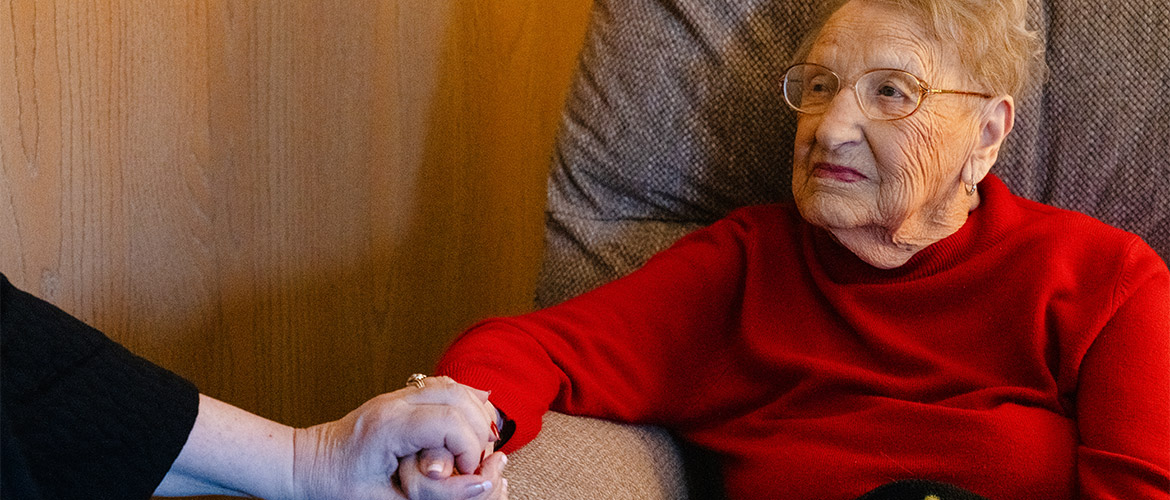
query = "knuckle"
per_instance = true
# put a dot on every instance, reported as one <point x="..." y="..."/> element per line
<point x="447" y="413"/>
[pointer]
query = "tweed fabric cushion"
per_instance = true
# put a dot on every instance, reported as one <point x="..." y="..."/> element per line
<point x="1107" y="115"/>
<point x="675" y="119"/>
<point x="570" y="459"/>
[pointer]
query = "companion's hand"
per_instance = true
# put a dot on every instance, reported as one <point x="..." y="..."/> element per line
<point x="425" y="477"/>
<point x="357" y="456"/>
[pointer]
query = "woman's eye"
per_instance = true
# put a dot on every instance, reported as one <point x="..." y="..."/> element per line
<point x="819" y="84"/>
<point x="889" y="91"/>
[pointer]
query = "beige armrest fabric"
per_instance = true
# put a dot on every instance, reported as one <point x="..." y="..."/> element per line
<point x="585" y="458"/>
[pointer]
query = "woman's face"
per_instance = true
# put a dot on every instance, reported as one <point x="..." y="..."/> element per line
<point x="899" y="182"/>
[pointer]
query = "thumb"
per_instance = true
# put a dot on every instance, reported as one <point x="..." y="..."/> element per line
<point x="436" y="463"/>
<point x="418" y="486"/>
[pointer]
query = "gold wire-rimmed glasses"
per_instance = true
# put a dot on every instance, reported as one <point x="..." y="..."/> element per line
<point x="884" y="94"/>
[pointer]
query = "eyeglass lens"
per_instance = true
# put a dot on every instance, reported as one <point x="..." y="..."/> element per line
<point x="882" y="94"/>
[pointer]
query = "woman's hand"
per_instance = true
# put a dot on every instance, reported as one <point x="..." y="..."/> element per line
<point x="425" y="477"/>
<point x="356" y="456"/>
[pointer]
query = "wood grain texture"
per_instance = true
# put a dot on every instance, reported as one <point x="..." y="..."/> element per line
<point x="294" y="204"/>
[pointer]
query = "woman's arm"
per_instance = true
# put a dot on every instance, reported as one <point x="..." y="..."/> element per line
<point x="634" y="350"/>
<point x="1123" y="399"/>
<point x="232" y="452"/>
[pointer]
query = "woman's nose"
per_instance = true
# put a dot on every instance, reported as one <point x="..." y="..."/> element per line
<point x="840" y="124"/>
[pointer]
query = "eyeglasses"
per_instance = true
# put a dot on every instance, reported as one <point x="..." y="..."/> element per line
<point x="883" y="94"/>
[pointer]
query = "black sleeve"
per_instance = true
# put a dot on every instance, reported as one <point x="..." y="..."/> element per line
<point x="82" y="416"/>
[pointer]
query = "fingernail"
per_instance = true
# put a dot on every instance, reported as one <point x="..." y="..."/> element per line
<point x="476" y="489"/>
<point x="435" y="470"/>
<point x="495" y="432"/>
<point x="504" y="458"/>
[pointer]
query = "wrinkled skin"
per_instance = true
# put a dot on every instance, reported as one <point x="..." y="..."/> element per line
<point x="910" y="192"/>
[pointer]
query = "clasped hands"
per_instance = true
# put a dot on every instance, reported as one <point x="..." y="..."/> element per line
<point x="422" y="443"/>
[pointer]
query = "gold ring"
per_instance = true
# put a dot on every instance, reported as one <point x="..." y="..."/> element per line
<point x="416" y="380"/>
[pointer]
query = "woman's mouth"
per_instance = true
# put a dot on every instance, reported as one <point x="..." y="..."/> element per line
<point x="837" y="172"/>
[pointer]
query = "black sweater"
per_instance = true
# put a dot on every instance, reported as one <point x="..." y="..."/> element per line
<point x="81" y="416"/>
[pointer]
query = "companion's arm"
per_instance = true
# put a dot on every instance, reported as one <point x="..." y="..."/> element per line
<point x="233" y="452"/>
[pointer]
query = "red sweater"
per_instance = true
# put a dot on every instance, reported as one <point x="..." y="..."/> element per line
<point x="1027" y="356"/>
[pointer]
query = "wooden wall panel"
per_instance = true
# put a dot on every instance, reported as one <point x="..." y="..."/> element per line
<point x="293" y="203"/>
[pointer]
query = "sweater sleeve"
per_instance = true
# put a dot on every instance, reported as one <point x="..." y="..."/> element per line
<point x="83" y="417"/>
<point x="638" y="349"/>
<point x="1123" y="398"/>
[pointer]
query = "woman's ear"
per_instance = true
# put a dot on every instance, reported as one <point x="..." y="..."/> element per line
<point x="998" y="118"/>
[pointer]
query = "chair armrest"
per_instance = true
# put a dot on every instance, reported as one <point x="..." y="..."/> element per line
<point x="579" y="457"/>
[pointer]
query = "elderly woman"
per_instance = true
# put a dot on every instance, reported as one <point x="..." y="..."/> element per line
<point x="908" y="317"/>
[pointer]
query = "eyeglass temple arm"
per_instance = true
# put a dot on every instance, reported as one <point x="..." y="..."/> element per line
<point x="962" y="92"/>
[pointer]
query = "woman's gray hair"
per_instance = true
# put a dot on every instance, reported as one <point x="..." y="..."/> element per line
<point x="993" y="41"/>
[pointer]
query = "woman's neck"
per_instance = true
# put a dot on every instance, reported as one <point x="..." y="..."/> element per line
<point x="888" y="248"/>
